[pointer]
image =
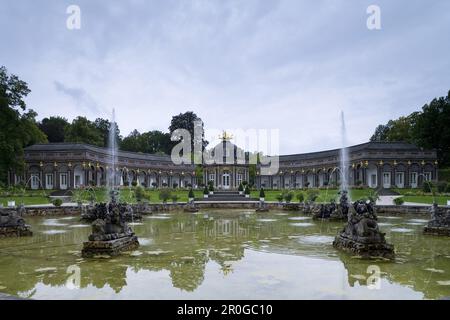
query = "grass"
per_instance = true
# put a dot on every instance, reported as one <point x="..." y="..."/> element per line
<point x="26" y="200"/>
<point x="324" y="195"/>
<point x="127" y="195"/>
<point x="441" y="200"/>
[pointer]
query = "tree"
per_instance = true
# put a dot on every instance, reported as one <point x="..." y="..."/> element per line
<point x="427" y="129"/>
<point x="432" y="128"/>
<point x="104" y="126"/>
<point x="147" y="142"/>
<point x="18" y="129"/>
<point x="190" y="122"/>
<point x="54" y="128"/>
<point x="81" y="130"/>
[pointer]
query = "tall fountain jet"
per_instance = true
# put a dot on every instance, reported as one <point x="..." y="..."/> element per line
<point x="113" y="151"/>
<point x="343" y="156"/>
<point x="110" y="232"/>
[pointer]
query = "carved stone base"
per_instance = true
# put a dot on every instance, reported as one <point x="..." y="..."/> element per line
<point x="109" y="247"/>
<point x="22" y="231"/>
<point x="437" y="231"/>
<point x="365" y="249"/>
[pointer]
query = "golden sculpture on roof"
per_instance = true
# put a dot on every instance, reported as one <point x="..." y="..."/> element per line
<point x="226" y="136"/>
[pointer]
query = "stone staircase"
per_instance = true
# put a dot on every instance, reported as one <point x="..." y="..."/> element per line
<point x="226" y="195"/>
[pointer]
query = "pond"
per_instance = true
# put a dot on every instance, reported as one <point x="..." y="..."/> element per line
<point x="224" y="254"/>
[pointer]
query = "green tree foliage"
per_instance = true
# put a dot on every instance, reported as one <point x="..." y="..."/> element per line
<point x="188" y="122"/>
<point x="82" y="130"/>
<point x="428" y="128"/>
<point x="104" y="126"/>
<point x="148" y="142"/>
<point x="54" y="128"/>
<point x="18" y="129"/>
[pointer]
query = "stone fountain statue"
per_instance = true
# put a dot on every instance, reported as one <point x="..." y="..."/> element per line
<point x="12" y="224"/>
<point x="99" y="211"/>
<point x="361" y="235"/>
<point x="110" y="232"/>
<point x="439" y="224"/>
<point x="332" y="211"/>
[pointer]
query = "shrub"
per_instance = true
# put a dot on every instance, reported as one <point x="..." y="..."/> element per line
<point x="174" y="198"/>
<point x="325" y="183"/>
<point x="427" y="186"/>
<point x="154" y="184"/>
<point x="262" y="194"/>
<point x="175" y="185"/>
<point x="247" y="190"/>
<point x="241" y="187"/>
<point x="312" y="194"/>
<point x="164" y="184"/>
<point x="134" y="183"/>
<point x="399" y="201"/>
<point x="288" y="197"/>
<point x="139" y="193"/>
<point x="191" y="194"/>
<point x="57" y="202"/>
<point x="164" y="195"/>
<point x="300" y="197"/>
<point x="358" y="183"/>
<point x="307" y="184"/>
<point x="244" y="183"/>
<point x="126" y="183"/>
<point x="189" y="185"/>
<point x="442" y="186"/>
<point x="211" y="187"/>
<point x="280" y="197"/>
<point x="205" y="190"/>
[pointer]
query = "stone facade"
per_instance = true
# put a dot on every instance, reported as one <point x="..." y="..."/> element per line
<point x="374" y="164"/>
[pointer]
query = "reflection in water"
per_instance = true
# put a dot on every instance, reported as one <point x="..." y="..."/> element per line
<point x="224" y="254"/>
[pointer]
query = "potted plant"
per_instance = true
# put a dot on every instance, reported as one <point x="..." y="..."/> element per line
<point x="247" y="192"/>
<point x="241" y="188"/>
<point x="205" y="192"/>
<point x="175" y="185"/>
<point x="154" y="185"/>
<point x="191" y="195"/>
<point x="280" y="198"/>
<point x="288" y="197"/>
<point x="262" y="195"/>
<point x="211" y="189"/>
<point x="164" y="195"/>
<point x="139" y="193"/>
<point x="300" y="197"/>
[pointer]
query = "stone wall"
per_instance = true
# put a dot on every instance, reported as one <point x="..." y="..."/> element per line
<point x="150" y="208"/>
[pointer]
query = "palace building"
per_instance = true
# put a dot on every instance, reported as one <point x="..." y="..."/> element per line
<point x="64" y="166"/>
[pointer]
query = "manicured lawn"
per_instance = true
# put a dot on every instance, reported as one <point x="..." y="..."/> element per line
<point x="441" y="200"/>
<point x="25" y="200"/>
<point x="127" y="195"/>
<point x="324" y="195"/>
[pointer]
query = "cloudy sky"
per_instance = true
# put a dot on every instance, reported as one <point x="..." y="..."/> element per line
<point x="261" y="64"/>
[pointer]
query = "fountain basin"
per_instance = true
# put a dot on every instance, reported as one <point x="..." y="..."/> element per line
<point x="118" y="244"/>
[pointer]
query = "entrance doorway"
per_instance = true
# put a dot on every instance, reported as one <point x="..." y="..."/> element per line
<point x="226" y="180"/>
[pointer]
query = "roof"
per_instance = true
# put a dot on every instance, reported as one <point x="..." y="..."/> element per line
<point x="376" y="146"/>
<point x="64" y="146"/>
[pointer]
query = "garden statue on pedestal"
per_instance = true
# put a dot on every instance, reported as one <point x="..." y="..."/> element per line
<point x="12" y="224"/>
<point x="361" y="235"/>
<point x="440" y="221"/>
<point x="110" y="232"/>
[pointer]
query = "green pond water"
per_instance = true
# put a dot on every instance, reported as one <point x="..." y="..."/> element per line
<point x="224" y="254"/>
